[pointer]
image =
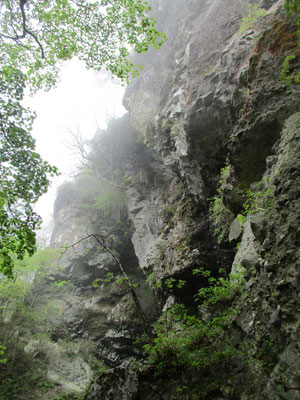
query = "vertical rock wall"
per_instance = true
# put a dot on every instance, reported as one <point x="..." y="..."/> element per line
<point x="216" y="100"/>
<point x="212" y="127"/>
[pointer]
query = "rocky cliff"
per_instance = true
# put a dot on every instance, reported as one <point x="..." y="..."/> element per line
<point x="205" y="226"/>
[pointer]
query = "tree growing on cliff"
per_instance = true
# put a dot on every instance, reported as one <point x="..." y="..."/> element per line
<point x="35" y="38"/>
<point x="109" y="155"/>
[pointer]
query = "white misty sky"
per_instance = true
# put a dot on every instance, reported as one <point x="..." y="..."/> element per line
<point x="84" y="99"/>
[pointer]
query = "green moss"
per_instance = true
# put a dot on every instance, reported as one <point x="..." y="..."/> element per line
<point x="221" y="218"/>
<point x="168" y="213"/>
<point x="161" y="247"/>
<point x="68" y="396"/>
<point x="209" y="70"/>
<point x="219" y="215"/>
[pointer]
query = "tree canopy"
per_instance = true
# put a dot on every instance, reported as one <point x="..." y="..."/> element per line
<point x="36" y="36"/>
<point x="24" y="176"/>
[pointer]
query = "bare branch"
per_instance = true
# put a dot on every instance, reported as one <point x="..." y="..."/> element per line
<point x="38" y="42"/>
<point x="281" y="382"/>
<point x="79" y="146"/>
<point x="100" y="239"/>
<point x="79" y="5"/>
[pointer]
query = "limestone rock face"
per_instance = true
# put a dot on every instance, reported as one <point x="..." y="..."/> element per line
<point x="71" y="371"/>
<point x="91" y="319"/>
<point x="211" y="179"/>
<point x="269" y="255"/>
<point x="225" y="102"/>
<point x="102" y="313"/>
<point x="220" y="101"/>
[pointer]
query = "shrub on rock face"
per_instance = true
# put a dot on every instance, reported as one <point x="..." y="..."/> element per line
<point x="186" y="344"/>
<point x="252" y="17"/>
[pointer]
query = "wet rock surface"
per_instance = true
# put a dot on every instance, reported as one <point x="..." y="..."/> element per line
<point x="214" y="126"/>
<point x="237" y="112"/>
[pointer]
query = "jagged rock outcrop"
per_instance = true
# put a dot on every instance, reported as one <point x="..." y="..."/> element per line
<point x="269" y="317"/>
<point x="234" y="110"/>
<point x="91" y="321"/>
<point x="225" y="105"/>
<point x="210" y="169"/>
<point x="96" y="307"/>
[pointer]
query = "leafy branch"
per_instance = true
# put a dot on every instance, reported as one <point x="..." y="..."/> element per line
<point x="25" y="30"/>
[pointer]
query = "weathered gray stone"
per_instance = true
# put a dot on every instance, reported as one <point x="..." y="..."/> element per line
<point x="235" y="231"/>
<point x="247" y="254"/>
<point x="212" y="96"/>
<point x="117" y="383"/>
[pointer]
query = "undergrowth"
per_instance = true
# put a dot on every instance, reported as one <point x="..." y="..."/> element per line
<point x="257" y="198"/>
<point x="186" y="343"/>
